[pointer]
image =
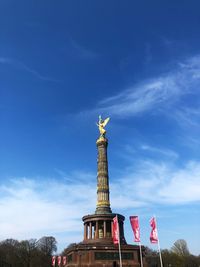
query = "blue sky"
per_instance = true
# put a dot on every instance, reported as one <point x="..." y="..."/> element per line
<point x="62" y="63"/>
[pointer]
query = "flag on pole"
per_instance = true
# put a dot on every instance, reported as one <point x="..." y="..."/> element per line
<point x="64" y="260"/>
<point x="135" y="227"/>
<point x="59" y="260"/>
<point x="154" y="232"/>
<point x="53" y="260"/>
<point x="116" y="236"/>
<point x="115" y="230"/>
<point x="154" y="237"/>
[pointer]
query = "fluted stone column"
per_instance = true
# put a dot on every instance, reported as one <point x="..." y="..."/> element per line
<point x="104" y="229"/>
<point x="103" y="199"/>
<point x="85" y="231"/>
<point x="90" y="230"/>
<point x="97" y="229"/>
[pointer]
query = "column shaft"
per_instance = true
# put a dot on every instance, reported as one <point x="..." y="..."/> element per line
<point x="85" y="230"/>
<point x="97" y="229"/>
<point x="90" y="230"/>
<point x="103" y="200"/>
<point x="104" y="229"/>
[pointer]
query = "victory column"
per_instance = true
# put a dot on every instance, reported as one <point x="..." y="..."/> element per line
<point x="97" y="248"/>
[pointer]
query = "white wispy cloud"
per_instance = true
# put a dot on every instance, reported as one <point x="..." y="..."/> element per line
<point x="160" y="93"/>
<point x="33" y="207"/>
<point x="20" y="65"/>
<point x="188" y="116"/>
<point x="161" y="183"/>
<point x="162" y="151"/>
<point x="81" y="51"/>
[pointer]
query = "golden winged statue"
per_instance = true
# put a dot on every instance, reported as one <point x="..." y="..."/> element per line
<point x="101" y="125"/>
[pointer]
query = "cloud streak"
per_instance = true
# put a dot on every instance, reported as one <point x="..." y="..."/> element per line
<point x="19" y="65"/>
<point x="163" y="152"/>
<point x="157" y="94"/>
<point x="161" y="183"/>
<point x="81" y="51"/>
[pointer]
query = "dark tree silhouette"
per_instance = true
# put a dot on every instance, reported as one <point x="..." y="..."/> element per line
<point x="27" y="253"/>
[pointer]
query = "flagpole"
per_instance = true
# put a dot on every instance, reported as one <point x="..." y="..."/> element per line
<point x="161" y="263"/>
<point x="120" y="256"/>
<point x="136" y="231"/>
<point x="141" y="254"/>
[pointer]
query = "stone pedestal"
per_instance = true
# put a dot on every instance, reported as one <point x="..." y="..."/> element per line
<point x="103" y="255"/>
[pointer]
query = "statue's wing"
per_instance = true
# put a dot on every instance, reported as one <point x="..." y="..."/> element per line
<point x="105" y="122"/>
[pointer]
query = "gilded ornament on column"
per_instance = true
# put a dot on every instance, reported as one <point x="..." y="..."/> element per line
<point x="101" y="125"/>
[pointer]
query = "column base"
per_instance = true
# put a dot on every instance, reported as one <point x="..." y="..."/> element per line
<point x="103" y="210"/>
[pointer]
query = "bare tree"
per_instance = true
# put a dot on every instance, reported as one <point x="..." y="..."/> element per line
<point x="27" y="253"/>
<point x="47" y="244"/>
<point x="180" y="248"/>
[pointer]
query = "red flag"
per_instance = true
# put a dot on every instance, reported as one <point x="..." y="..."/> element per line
<point x="135" y="227"/>
<point x="59" y="260"/>
<point x="115" y="230"/>
<point x="64" y="260"/>
<point x="154" y="233"/>
<point x="53" y="260"/>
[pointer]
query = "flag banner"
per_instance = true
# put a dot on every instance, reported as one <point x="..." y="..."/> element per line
<point x="115" y="231"/>
<point x="53" y="260"/>
<point x="135" y="227"/>
<point x="59" y="260"/>
<point x="64" y="260"/>
<point x="154" y="233"/>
